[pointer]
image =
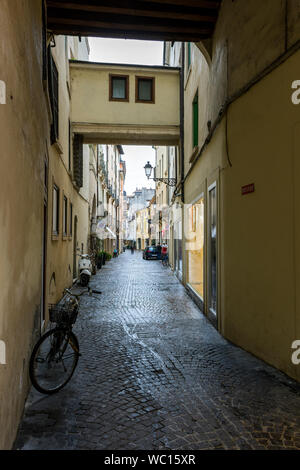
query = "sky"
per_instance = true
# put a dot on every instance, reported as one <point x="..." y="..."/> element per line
<point x="129" y="51"/>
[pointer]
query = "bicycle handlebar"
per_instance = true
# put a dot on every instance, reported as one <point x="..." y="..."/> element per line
<point x="90" y="291"/>
<point x="94" y="291"/>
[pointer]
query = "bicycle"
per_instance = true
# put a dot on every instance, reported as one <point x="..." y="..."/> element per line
<point x="55" y="356"/>
<point x="165" y="260"/>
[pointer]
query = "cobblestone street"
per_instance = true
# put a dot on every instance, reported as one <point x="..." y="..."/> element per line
<point x="155" y="374"/>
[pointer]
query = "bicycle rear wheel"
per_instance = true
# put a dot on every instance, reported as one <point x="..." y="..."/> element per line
<point x="53" y="360"/>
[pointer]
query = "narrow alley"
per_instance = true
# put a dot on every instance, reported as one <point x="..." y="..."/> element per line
<point x="155" y="374"/>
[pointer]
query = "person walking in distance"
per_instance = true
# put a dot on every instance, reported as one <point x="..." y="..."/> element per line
<point x="164" y="252"/>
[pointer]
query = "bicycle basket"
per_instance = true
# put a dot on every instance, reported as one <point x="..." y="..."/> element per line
<point x="62" y="314"/>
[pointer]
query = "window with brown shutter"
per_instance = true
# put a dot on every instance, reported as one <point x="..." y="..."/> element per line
<point x="53" y="94"/>
<point x="78" y="159"/>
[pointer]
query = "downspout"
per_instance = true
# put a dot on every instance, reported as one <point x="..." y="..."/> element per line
<point x="182" y="120"/>
<point x="97" y="177"/>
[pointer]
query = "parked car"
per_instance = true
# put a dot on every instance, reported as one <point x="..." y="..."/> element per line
<point x="151" y="252"/>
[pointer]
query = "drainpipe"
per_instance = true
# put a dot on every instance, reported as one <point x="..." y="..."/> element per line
<point x="97" y="171"/>
<point x="182" y="120"/>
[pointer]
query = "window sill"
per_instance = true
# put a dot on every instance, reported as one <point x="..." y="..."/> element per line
<point x="65" y="238"/>
<point x="120" y="100"/>
<point x="55" y="237"/>
<point x="145" y="101"/>
<point x="194" y="154"/>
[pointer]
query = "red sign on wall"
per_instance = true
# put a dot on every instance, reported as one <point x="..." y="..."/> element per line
<point x="249" y="188"/>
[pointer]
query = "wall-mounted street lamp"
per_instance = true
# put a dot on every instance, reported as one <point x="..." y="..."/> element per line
<point x="148" y="170"/>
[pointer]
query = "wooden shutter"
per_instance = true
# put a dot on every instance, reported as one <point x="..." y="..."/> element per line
<point x="78" y="159"/>
<point x="53" y="93"/>
<point x="44" y="40"/>
<point x="195" y="121"/>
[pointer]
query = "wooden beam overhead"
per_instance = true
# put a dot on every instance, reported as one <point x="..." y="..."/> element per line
<point x="184" y="15"/>
<point x="188" y="3"/>
<point x="71" y="31"/>
<point x="166" y="20"/>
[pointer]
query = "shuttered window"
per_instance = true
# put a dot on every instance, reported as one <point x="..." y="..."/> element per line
<point x="78" y="159"/>
<point x="71" y="220"/>
<point x="195" y="121"/>
<point x="65" y="217"/>
<point x="70" y="146"/>
<point x="189" y="54"/>
<point x="53" y="94"/>
<point x="55" y="210"/>
<point x="44" y="41"/>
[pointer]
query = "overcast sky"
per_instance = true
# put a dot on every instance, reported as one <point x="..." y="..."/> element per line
<point x="128" y="51"/>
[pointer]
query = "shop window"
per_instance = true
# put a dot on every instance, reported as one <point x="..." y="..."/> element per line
<point x="212" y="248"/>
<point x="118" y="87"/>
<point x="195" y="247"/>
<point x="145" y="90"/>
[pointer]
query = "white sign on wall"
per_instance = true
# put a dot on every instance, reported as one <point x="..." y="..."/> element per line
<point x="2" y="92"/>
<point x="2" y="353"/>
<point x="296" y="94"/>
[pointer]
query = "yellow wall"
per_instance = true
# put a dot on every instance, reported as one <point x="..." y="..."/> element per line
<point x="261" y="230"/>
<point x="99" y="118"/>
<point x="60" y="249"/>
<point x="24" y="129"/>
<point x="258" y="234"/>
<point x="25" y="147"/>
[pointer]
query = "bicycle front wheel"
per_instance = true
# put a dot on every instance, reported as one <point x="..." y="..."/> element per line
<point x="53" y="360"/>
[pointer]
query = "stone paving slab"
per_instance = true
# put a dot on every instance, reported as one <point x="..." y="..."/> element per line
<point x="155" y="374"/>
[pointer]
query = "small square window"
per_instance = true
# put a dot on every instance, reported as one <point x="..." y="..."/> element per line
<point x="118" y="88"/>
<point x="144" y="90"/>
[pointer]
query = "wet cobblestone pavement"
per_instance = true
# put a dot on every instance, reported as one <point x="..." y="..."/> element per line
<point x="154" y="374"/>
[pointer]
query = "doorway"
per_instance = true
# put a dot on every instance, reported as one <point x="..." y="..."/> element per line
<point x="44" y="266"/>
<point x="75" y="248"/>
<point x="212" y="251"/>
